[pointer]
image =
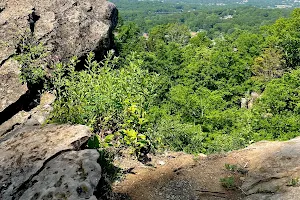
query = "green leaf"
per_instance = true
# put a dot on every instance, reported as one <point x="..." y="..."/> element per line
<point x="142" y="137"/>
<point x="109" y="138"/>
<point x="131" y="133"/>
<point x="94" y="142"/>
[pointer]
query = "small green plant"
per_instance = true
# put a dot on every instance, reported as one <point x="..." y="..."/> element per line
<point x="294" y="182"/>
<point x="31" y="55"/>
<point x="129" y="137"/>
<point x="94" y="142"/>
<point x="235" y="168"/>
<point x="113" y="102"/>
<point x="230" y="167"/>
<point x="228" y="182"/>
<point x="135" y="140"/>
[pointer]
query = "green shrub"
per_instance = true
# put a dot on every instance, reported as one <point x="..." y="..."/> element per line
<point x="100" y="96"/>
<point x="114" y="102"/>
<point x="230" y="167"/>
<point x="228" y="182"/>
<point x="277" y="113"/>
<point x="294" y="182"/>
<point x="177" y="136"/>
<point x="31" y="56"/>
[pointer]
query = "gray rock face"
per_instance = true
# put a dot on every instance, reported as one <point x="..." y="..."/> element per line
<point x="71" y="175"/>
<point x="75" y="27"/>
<point x="66" y="28"/>
<point x="274" y="170"/>
<point x="25" y="152"/>
<point x="10" y="85"/>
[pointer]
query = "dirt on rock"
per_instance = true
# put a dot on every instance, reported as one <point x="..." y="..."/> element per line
<point x="180" y="176"/>
<point x="262" y="171"/>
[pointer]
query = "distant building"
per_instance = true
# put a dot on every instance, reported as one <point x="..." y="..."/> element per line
<point x="227" y="17"/>
<point x="146" y="35"/>
<point x="193" y="34"/>
<point x="283" y="6"/>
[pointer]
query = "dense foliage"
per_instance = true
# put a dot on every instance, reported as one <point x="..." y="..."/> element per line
<point x="189" y="3"/>
<point x="208" y="93"/>
<point x="211" y="18"/>
<point x="223" y="93"/>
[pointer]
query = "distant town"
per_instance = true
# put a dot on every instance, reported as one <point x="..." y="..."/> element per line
<point x="260" y="3"/>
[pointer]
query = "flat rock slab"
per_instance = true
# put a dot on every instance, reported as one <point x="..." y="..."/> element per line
<point x="27" y="150"/>
<point x="265" y="171"/>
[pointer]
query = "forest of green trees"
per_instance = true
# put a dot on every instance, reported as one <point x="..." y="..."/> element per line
<point x="214" y="19"/>
<point x="235" y="82"/>
<point x="204" y="80"/>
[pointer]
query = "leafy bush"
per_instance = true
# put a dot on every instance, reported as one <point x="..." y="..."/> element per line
<point x="277" y="113"/>
<point x="111" y="101"/>
<point x="177" y="136"/>
<point x="31" y="56"/>
<point x="99" y="96"/>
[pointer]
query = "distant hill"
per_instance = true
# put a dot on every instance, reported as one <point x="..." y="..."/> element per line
<point x="259" y="3"/>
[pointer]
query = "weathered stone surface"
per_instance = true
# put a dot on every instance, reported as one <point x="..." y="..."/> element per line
<point x="25" y="151"/>
<point x="17" y="120"/>
<point x="264" y="171"/>
<point x="291" y="193"/>
<point x="272" y="166"/>
<point x="11" y="88"/>
<point x="37" y="161"/>
<point x="244" y="103"/>
<point x="37" y="116"/>
<point x="71" y="175"/>
<point x="66" y="28"/>
<point x="13" y="24"/>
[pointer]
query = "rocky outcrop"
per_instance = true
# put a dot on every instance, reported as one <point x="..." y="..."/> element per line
<point x="274" y="170"/>
<point x="249" y="102"/>
<point x="10" y="86"/>
<point x="66" y="28"/>
<point x="264" y="171"/>
<point x="41" y="159"/>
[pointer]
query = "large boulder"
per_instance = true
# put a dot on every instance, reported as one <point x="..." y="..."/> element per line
<point x="27" y="152"/>
<point x="39" y="161"/>
<point x="66" y="28"/>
